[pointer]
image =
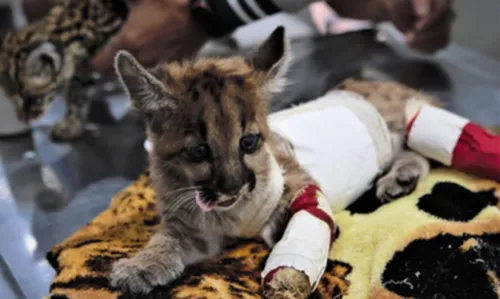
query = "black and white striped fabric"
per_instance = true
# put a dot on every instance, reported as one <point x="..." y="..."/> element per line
<point x="236" y="13"/>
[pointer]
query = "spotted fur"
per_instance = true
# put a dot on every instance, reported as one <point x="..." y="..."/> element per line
<point x="83" y="262"/>
<point x="48" y="58"/>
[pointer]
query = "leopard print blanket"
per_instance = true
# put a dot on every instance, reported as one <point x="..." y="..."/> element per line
<point x="442" y="241"/>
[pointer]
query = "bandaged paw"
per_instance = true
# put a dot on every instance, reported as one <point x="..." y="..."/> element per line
<point x="307" y="239"/>
<point x="452" y="140"/>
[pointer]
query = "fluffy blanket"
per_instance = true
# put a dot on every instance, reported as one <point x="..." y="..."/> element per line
<point x="442" y="241"/>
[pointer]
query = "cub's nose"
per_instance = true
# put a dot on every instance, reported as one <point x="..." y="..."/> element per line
<point x="229" y="186"/>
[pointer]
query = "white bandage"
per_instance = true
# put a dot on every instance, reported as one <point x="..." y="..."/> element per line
<point x="344" y="144"/>
<point x="434" y="132"/>
<point x="306" y="242"/>
<point x="341" y="140"/>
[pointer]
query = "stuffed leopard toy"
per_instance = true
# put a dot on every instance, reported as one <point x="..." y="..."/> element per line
<point x="48" y="58"/>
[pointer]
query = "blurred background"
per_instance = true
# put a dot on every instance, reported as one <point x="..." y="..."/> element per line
<point x="48" y="190"/>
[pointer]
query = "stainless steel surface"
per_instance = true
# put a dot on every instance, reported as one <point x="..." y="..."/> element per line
<point x="48" y="190"/>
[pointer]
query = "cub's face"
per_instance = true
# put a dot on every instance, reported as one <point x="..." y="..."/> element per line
<point x="31" y="78"/>
<point x="207" y="121"/>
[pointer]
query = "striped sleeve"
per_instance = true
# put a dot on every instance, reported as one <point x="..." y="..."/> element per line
<point x="236" y="13"/>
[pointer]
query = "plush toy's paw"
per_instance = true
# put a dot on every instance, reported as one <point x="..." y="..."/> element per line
<point x="288" y="283"/>
<point x="400" y="181"/>
<point x="67" y="130"/>
<point x="140" y="276"/>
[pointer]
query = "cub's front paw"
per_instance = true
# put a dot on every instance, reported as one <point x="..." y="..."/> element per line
<point x="288" y="283"/>
<point x="138" y="276"/>
<point x="67" y="130"/>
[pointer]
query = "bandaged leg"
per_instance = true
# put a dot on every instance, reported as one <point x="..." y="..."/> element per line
<point x="341" y="140"/>
<point x="452" y="140"/>
<point x="307" y="239"/>
<point x="344" y="143"/>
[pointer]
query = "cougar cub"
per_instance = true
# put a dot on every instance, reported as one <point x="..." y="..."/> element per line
<point x="214" y="160"/>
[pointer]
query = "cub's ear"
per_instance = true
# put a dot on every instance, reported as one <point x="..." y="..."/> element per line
<point x="273" y="57"/>
<point x="145" y="91"/>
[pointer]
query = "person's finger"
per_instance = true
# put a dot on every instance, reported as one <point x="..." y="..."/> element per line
<point x="438" y="10"/>
<point x="442" y="22"/>
<point x="442" y="19"/>
<point x="431" y="41"/>
<point x="422" y="8"/>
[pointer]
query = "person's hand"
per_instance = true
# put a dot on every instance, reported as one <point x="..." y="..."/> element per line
<point x="155" y="30"/>
<point x="425" y="23"/>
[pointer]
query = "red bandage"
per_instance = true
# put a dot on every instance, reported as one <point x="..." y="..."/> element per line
<point x="307" y="239"/>
<point x="478" y="152"/>
<point x="454" y="141"/>
<point x="307" y="201"/>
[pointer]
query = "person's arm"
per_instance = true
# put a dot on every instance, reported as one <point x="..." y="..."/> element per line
<point x="374" y="10"/>
<point x="425" y="23"/>
<point x="159" y="30"/>
<point x="221" y="17"/>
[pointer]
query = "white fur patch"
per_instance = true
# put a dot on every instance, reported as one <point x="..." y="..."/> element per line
<point x="278" y="82"/>
<point x="260" y="208"/>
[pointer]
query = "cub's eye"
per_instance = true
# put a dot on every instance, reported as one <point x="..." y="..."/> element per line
<point x="249" y="143"/>
<point x="199" y="153"/>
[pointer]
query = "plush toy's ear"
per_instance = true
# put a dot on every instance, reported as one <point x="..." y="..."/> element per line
<point x="272" y="57"/>
<point x="146" y="92"/>
<point x="43" y="64"/>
